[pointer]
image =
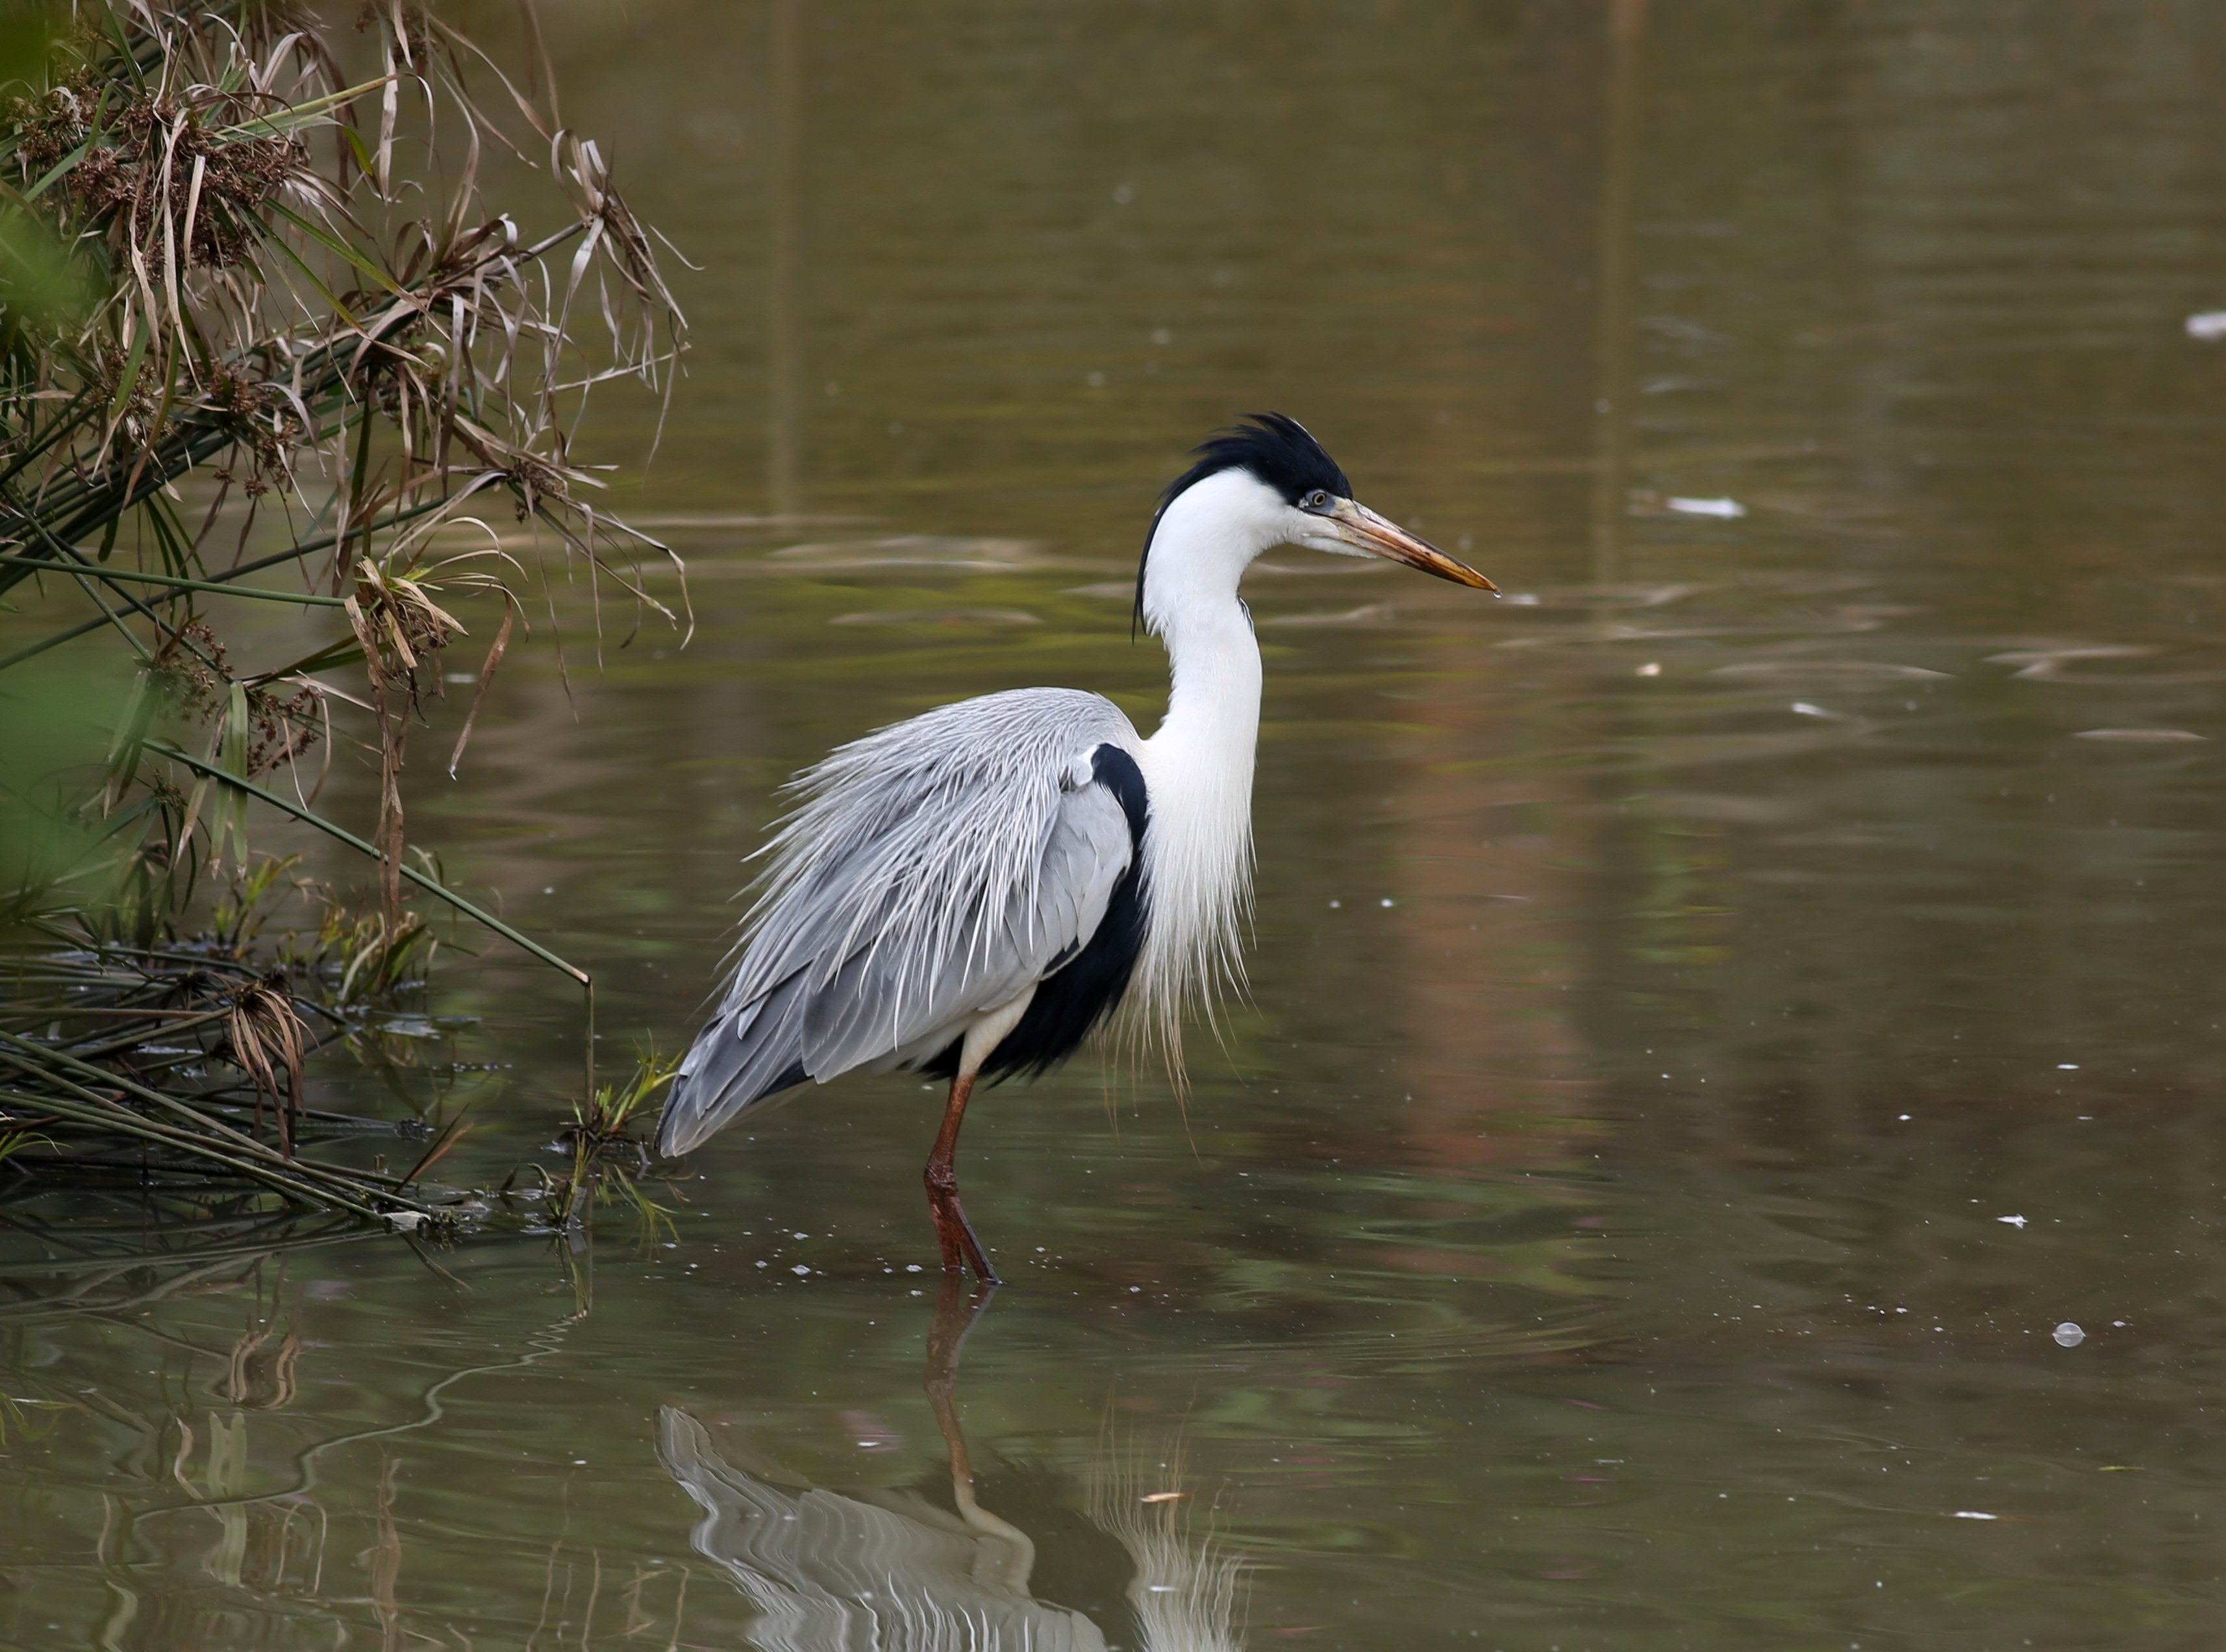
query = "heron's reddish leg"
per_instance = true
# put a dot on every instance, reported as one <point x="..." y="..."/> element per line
<point x="952" y="1230"/>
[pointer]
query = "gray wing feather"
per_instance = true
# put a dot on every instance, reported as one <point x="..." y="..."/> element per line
<point x="932" y="870"/>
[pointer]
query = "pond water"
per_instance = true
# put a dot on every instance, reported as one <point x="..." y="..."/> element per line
<point x="1715" y="1013"/>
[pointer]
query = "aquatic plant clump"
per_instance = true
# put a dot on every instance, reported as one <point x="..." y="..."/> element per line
<point x="252" y="287"/>
<point x="160" y="1075"/>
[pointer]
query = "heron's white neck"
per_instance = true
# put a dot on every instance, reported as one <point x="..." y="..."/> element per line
<point x="1198" y="766"/>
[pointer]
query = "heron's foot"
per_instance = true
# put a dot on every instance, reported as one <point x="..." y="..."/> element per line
<point x="961" y="1247"/>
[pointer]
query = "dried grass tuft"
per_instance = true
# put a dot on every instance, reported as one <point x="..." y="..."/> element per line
<point x="220" y="283"/>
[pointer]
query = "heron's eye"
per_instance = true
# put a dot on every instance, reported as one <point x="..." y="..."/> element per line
<point x="1317" y="500"/>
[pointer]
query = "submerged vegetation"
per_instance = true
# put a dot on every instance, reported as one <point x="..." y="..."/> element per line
<point x="259" y="317"/>
<point x="608" y="1159"/>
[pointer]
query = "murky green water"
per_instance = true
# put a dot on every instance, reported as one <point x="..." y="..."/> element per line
<point x="1671" y="980"/>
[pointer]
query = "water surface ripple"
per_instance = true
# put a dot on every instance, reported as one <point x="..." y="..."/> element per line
<point x="1593" y="1231"/>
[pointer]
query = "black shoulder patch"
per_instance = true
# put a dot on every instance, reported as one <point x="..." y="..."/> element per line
<point x="1117" y="771"/>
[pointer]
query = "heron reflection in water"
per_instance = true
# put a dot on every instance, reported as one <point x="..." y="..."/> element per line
<point x="972" y="891"/>
<point x="888" y="1571"/>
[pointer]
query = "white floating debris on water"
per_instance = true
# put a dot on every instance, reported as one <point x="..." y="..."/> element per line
<point x="800" y="1270"/>
<point x="1725" y="510"/>
<point x="1803" y="708"/>
<point x="1523" y="599"/>
<point x="2017" y="1221"/>
<point x="2209" y="325"/>
<point x="2068" y="1335"/>
<point x="2067" y="1066"/>
<point x="1386" y="901"/>
<point x="2139" y="736"/>
<point x="1973" y="1514"/>
<point x="407" y="1220"/>
<point x="1653" y="668"/>
<point x="1904" y="1118"/>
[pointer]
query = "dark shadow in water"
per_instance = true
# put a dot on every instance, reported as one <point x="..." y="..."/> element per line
<point x="888" y="1568"/>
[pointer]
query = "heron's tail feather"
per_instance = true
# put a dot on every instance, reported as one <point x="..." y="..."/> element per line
<point x="747" y="1053"/>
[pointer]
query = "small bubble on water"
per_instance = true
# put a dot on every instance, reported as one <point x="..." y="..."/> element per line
<point x="2068" y="1335"/>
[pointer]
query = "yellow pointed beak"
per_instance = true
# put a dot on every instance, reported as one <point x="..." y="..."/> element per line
<point x="1362" y="529"/>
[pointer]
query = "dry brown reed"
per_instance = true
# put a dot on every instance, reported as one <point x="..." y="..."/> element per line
<point x="251" y="285"/>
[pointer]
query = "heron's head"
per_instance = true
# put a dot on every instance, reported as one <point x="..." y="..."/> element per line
<point x="1260" y="484"/>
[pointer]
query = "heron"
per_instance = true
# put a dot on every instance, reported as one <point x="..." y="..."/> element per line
<point x="971" y="892"/>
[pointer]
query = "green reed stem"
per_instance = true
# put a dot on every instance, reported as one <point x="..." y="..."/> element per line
<point x="100" y="571"/>
<point x="431" y="886"/>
